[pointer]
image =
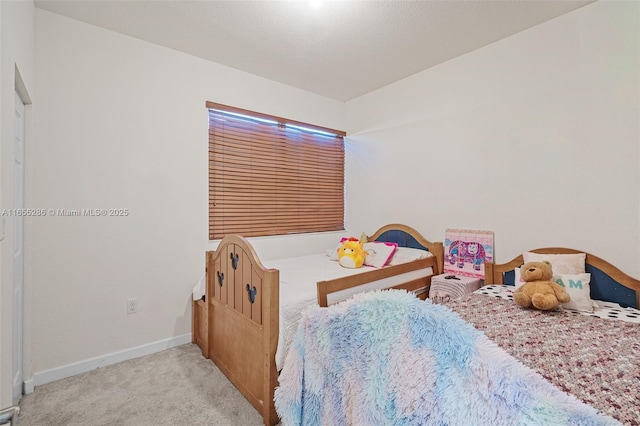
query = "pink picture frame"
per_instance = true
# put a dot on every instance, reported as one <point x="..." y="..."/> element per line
<point x="466" y="251"/>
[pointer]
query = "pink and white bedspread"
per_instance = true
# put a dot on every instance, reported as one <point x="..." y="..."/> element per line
<point x="594" y="359"/>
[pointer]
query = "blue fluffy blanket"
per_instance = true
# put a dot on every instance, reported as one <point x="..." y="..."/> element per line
<point x="387" y="358"/>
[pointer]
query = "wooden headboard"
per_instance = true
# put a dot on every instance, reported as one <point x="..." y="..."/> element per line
<point x="608" y="283"/>
<point x="406" y="236"/>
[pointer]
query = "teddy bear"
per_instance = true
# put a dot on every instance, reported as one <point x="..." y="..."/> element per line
<point x="539" y="291"/>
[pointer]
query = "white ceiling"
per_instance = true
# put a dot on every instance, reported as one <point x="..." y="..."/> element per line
<point x="341" y="49"/>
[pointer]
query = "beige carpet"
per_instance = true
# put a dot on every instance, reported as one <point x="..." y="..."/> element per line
<point x="177" y="386"/>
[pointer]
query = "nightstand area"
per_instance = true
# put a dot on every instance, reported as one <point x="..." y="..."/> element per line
<point x="447" y="287"/>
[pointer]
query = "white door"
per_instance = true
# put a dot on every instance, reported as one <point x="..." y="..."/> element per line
<point x="18" y="252"/>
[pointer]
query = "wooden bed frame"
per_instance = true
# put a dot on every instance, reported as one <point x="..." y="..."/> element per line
<point x="608" y="283"/>
<point x="236" y="325"/>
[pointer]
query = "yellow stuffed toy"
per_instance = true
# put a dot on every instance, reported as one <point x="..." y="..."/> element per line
<point x="539" y="291"/>
<point x="351" y="254"/>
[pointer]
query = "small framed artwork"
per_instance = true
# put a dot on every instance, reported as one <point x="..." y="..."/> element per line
<point x="466" y="251"/>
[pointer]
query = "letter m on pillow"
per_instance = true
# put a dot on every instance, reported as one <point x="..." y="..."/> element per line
<point x="572" y="283"/>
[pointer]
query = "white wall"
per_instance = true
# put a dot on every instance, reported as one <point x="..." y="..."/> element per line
<point x="17" y="52"/>
<point x="535" y="137"/>
<point x="123" y="124"/>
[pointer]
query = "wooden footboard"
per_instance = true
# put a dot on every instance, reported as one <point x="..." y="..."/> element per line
<point x="243" y="322"/>
<point x="238" y="323"/>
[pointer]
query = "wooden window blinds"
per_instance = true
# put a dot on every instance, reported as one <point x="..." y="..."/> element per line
<point x="271" y="176"/>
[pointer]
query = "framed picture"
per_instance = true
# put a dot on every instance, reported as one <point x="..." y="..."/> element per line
<point x="466" y="250"/>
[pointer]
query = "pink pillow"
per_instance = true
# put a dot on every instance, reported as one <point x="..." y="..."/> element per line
<point x="377" y="254"/>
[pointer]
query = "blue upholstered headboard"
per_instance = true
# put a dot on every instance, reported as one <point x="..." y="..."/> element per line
<point x="402" y="238"/>
<point x="405" y="236"/>
<point x="607" y="283"/>
<point x="603" y="287"/>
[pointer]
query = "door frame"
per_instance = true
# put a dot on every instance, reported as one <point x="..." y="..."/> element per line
<point x="18" y="250"/>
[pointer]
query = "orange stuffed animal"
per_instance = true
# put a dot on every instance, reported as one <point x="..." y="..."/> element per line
<point x="351" y="254"/>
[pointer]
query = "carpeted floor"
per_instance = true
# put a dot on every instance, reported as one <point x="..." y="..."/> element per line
<point x="177" y="386"/>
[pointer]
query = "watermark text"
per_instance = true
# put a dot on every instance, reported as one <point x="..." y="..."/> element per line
<point x="100" y="212"/>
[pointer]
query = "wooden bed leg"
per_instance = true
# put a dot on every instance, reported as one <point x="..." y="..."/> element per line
<point x="271" y="316"/>
<point x="488" y="274"/>
<point x="200" y="316"/>
<point x="199" y="326"/>
<point x="269" y="415"/>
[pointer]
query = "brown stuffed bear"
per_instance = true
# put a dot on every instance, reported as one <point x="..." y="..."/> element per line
<point x="539" y="291"/>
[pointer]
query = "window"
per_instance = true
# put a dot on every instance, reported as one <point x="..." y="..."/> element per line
<point x="271" y="176"/>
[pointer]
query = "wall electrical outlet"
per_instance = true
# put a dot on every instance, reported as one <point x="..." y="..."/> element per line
<point x="132" y="306"/>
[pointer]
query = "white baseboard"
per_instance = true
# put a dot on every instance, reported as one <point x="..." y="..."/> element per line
<point x="29" y="387"/>
<point x="47" y="376"/>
